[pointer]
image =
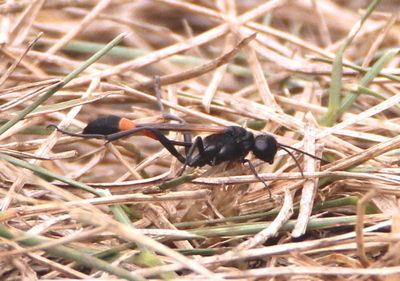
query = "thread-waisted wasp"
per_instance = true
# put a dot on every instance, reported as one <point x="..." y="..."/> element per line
<point x="225" y="144"/>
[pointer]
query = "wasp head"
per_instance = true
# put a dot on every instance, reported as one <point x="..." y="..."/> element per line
<point x="265" y="148"/>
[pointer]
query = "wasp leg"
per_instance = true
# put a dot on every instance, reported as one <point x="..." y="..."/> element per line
<point x="198" y="143"/>
<point x="156" y="134"/>
<point x="253" y="170"/>
<point x="187" y="136"/>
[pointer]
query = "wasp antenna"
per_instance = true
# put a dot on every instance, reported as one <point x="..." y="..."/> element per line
<point x="303" y="152"/>
<point x="85" y="136"/>
<point x="294" y="158"/>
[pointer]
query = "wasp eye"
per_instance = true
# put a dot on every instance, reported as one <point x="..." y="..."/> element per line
<point x="265" y="148"/>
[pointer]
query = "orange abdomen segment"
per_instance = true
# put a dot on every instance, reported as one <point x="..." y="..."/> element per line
<point x="126" y="125"/>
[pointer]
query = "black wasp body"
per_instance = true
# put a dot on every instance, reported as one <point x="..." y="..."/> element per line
<point x="227" y="144"/>
<point x="234" y="143"/>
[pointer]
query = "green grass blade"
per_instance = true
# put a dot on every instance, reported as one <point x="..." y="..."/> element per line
<point x="84" y="47"/>
<point x="62" y="83"/>
<point x="349" y="99"/>
<point x="119" y="214"/>
<point x="253" y="228"/>
<point x="337" y="70"/>
<point x="360" y="69"/>
<point x="61" y="251"/>
<point x="44" y="173"/>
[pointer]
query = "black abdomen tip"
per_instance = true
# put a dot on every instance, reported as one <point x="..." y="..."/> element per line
<point x="103" y="126"/>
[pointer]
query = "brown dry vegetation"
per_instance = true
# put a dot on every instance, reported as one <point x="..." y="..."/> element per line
<point x="77" y="209"/>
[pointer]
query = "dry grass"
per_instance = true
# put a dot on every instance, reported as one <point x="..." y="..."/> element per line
<point x="321" y="76"/>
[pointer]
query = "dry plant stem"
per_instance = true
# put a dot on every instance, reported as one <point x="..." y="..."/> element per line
<point x="199" y="70"/>
<point x="262" y="111"/>
<point x="53" y="189"/>
<point x="10" y="70"/>
<point x="309" y="271"/>
<point x="280" y="249"/>
<point x="216" y="78"/>
<point x="133" y="183"/>
<point x="61" y="61"/>
<point x="253" y="25"/>
<point x="391" y="257"/>
<point x="89" y="18"/>
<point x="61" y="241"/>
<point x="62" y="155"/>
<point x="174" y="106"/>
<point x="289" y="38"/>
<point x="310" y="185"/>
<point x="259" y="111"/>
<point x="69" y="253"/>
<point x="46" y="147"/>
<point x="361" y="204"/>
<point x="290" y="64"/>
<point x="22" y="266"/>
<point x="59" y="268"/>
<point x="134" y="235"/>
<point x="24" y="23"/>
<point x="33" y="71"/>
<point x="21" y="99"/>
<point x="351" y="119"/>
<point x="119" y="156"/>
<point x="286" y="37"/>
<point x="258" y="73"/>
<point x="51" y="141"/>
<point x="230" y="10"/>
<point x="180" y="47"/>
<point x="381" y="36"/>
<point x="5" y="25"/>
<point x="394" y="248"/>
<point x="136" y="25"/>
<point x="26" y="86"/>
<point x="15" y="7"/>
<point x="62" y="83"/>
<point x="363" y="120"/>
<point x="292" y="176"/>
<point x="153" y="213"/>
<point x="284" y="215"/>
<point x="218" y="181"/>
<point x="322" y="27"/>
<point x="109" y="200"/>
<point x="365" y="155"/>
<point x="195" y="8"/>
<point x="81" y="101"/>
